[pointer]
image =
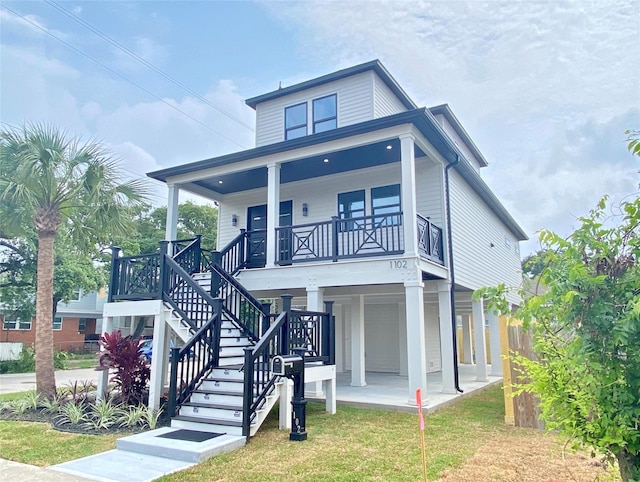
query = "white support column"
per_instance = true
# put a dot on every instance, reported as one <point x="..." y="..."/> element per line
<point x="273" y="212"/>
<point x="330" y="387"/>
<point x="103" y="375"/>
<point x="314" y="303"/>
<point x="477" y="308"/>
<point x="416" y="350"/>
<point x="408" y="194"/>
<point x="466" y="340"/>
<point x="357" y="342"/>
<point x="446" y="338"/>
<point x="494" y="343"/>
<point x="158" y="362"/>
<point x="402" y="338"/>
<point x="171" y="230"/>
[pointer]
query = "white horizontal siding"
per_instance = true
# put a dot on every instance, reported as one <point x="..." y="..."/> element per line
<point x="448" y="128"/>
<point x="432" y="337"/>
<point x="485" y="252"/>
<point x="385" y="102"/>
<point x="355" y="104"/>
<point x="430" y="190"/>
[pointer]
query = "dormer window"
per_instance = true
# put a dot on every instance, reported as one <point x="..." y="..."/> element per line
<point x="325" y="114"/>
<point x="295" y="121"/>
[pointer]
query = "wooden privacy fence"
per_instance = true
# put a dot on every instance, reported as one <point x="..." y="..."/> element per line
<point x="520" y="410"/>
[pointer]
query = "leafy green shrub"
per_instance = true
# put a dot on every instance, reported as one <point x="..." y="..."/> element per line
<point x="124" y="354"/>
<point x="151" y="417"/>
<point x="103" y="414"/>
<point x="27" y="362"/>
<point x="50" y="405"/>
<point x="132" y="416"/>
<point x="71" y="412"/>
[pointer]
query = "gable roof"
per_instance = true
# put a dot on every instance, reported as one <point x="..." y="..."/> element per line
<point x="374" y="65"/>
<point x="448" y="114"/>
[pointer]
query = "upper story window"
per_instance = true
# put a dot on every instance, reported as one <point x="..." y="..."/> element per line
<point x="350" y="205"/>
<point x="325" y="113"/>
<point x="76" y="295"/>
<point x="386" y="200"/>
<point x="295" y="121"/>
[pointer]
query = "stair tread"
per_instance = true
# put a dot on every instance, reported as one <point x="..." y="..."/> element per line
<point x="220" y="392"/>
<point x="220" y="406"/>
<point x="218" y="379"/>
<point x="211" y="421"/>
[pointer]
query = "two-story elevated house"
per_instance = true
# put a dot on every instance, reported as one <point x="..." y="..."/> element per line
<point x="353" y="195"/>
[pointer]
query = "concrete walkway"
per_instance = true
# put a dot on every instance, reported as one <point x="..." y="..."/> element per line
<point x="15" y="471"/>
<point x="23" y="382"/>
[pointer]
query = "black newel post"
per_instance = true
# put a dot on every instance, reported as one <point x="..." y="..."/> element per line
<point x="173" y="381"/>
<point x="266" y="310"/>
<point x="198" y="255"/>
<point x="242" y="255"/>
<point x="329" y="333"/>
<point x="334" y="238"/>
<point x="164" y="273"/>
<point x="215" y="277"/>
<point x="286" y="308"/>
<point x="115" y="268"/>
<point x="299" y="404"/>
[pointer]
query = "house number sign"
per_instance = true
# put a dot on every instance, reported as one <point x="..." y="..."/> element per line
<point x="398" y="264"/>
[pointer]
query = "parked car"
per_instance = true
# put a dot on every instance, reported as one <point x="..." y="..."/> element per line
<point x="147" y="349"/>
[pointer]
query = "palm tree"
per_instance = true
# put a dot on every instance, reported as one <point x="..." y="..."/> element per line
<point x="49" y="181"/>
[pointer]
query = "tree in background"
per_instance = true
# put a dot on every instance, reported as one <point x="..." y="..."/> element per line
<point x="47" y="181"/>
<point x="586" y="332"/>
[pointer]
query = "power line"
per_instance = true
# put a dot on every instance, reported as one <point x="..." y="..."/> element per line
<point x="122" y="76"/>
<point x="148" y="64"/>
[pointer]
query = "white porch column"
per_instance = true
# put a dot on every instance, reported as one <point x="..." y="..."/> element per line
<point x="402" y="338"/>
<point x="408" y="194"/>
<point x="466" y="340"/>
<point x="357" y="342"/>
<point x="103" y="375"/>
<point x="416" y="351"/>
<point x="171" y="230"/>
<point x="158" y="362"/>
<point x="477" y="308"/>
<point x="273" y="212"/>
<point x="314" y="303"/>
<point x="494" y="343"/>
<point x="446" y="338"/>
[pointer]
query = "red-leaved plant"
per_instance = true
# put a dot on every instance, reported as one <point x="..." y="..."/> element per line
<point x="132" y="373"/>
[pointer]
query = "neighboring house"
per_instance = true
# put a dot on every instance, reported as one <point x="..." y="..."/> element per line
<point x="74" y="324"/>
<point x="353" y="195"/>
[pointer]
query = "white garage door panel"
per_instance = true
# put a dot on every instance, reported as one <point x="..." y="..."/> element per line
<point x="382" y="338"/>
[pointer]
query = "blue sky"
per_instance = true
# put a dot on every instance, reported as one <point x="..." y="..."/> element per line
<point x="545" y="89"/>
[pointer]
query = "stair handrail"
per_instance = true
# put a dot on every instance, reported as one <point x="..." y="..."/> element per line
<point x="192" y="362"/>
<point x="258" y="379"/>
<point x="239" y="304"/>
<point x="188" y="256"/>
<point x="232" y="257"/>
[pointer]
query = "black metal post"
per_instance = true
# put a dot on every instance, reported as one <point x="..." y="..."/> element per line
<point x="299" y="404"/>
<point x="286" y="308"/>
<point x="266" y="311"/>
<point x="331" y="333"/>
<point x="215" y="277"/>
<point x="115" y="267"/>
<point x="173" y="382"/>
<point x="242" y="255"/>
<point x="217" y="330"/>
<point x="164" y="274"/>
<point x="334" y="237"/>
<point x="198" y="255"/>
<point x="247" y="398"/>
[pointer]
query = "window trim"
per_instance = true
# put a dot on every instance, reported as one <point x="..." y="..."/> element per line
<point x="18" y="325"/>
<point x="288" y="129"/>
<point x="325" y="119"/>
<point x="82" y="329"/>
<point x="53" y="323"/>
<point x="351" y="225"/>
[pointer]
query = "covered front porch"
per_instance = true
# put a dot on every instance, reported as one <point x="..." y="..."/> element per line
<point x="389" y="391"/>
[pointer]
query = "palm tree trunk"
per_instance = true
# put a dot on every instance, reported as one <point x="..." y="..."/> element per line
<point x="629" y="465"/>
<point x="45" y="378"/>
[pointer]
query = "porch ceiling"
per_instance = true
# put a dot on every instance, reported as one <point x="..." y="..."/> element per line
<point x="309" y="167"/>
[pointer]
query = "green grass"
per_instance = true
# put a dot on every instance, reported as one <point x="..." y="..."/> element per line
<point x="352" y="445"/>
<point x="38" y="444"/>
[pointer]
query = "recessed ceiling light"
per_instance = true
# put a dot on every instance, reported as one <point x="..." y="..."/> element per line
<point x="325" y="159"/>
<point x="220" y="181"/>
<point x="389" y="147"/>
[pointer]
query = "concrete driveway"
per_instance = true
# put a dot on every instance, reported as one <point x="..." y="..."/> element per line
<point x="22" y="382"/>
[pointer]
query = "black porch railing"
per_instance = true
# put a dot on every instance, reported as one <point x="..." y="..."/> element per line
<point x="430" y="242"/>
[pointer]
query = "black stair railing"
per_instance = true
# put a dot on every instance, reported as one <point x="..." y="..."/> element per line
<point x="233" y="257"/>
<point x="188" y="254"/>
<point x="134" y="277"/>
<point x="238" y="303"/>
<point x="313" y="331"/>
